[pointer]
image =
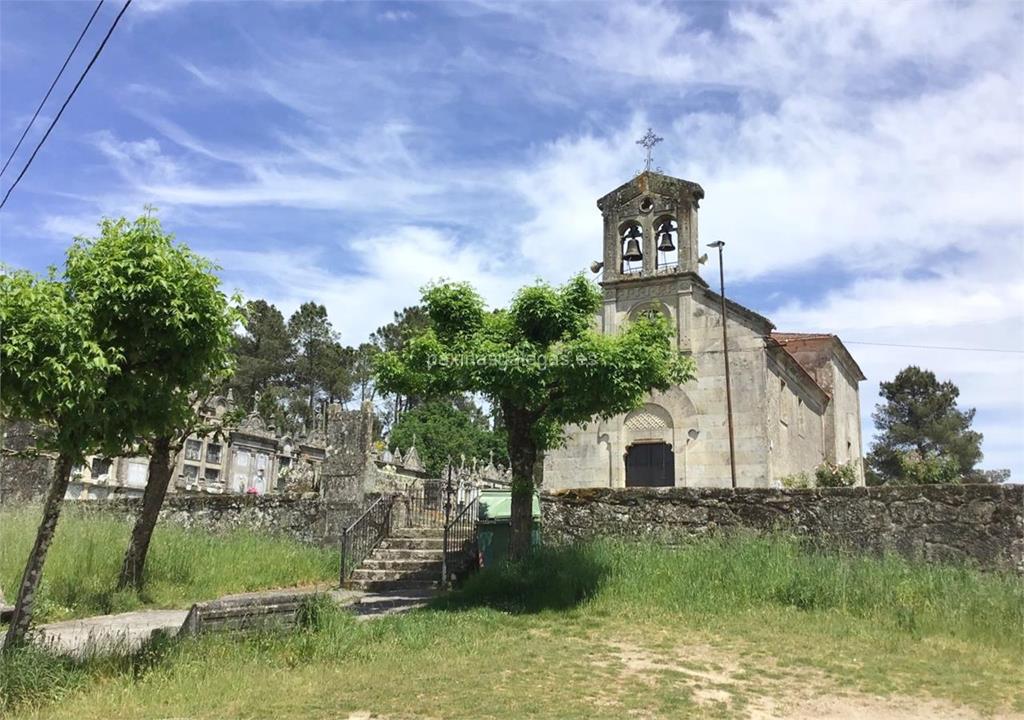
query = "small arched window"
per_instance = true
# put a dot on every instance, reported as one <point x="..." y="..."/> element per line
<point x="666" y="236"/>
<point x="631" y="243"/>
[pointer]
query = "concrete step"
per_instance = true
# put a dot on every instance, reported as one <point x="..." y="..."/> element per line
<point x="418" y="532"/>
<point x="404" y="564"/>
<point x="403" y="554"/>
<point x="399" y="543"/>
<point x="393" y="586"/>
<point x="364" y="573"/>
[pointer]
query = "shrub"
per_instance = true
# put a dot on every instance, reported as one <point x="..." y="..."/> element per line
<point x="928" y="469"/>
<point x="829" y="475"/>
<point x="797" y="481"/>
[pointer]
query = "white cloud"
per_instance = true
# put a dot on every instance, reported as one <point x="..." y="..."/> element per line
<point x="64" y="227"/>
<point x="392" y="268"/>
<point x="396" y="15"/>
<point x="979" y="309"/>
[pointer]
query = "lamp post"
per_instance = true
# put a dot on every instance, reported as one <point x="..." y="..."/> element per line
<point x="725" y="350"/>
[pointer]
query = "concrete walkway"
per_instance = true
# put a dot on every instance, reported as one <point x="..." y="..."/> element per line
<point x="126" y="632"/>
<point x="371" y="605"/>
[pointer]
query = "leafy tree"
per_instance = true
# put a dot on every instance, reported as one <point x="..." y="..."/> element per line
<point x="446" y="428"/>
<point x="994" y="476"/>
<point x="362" y="371"/>
<point x="284" y="407"/>
<point x="312" y="335"/>
<point x="334" y="372"/>
<point x="407" y="324"/>
<point x="52" y="371"/>
<point x="175" y="335"/>
<point x="920" y="415"/>
<point x="263" y="351"/>
<point x="540" y="361"/>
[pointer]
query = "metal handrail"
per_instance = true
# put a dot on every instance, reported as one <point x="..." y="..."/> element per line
<point x="459" y="537"/>
<point x="363" y="536"/>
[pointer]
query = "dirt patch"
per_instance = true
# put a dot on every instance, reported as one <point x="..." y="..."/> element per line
<point x="862" y="707"/>
<point x="757" y="688"/>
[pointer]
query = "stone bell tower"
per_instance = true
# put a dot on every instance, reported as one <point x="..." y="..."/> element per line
<point x="650" y="228"/>
<point x="796" y="401"/>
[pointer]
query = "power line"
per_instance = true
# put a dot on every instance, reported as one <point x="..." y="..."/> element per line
<point x="52" y="86"/>
<point x="62" y="107"/>
<point x="934" y="347"/>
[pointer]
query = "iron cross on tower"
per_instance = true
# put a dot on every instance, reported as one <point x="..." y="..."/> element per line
<point x="649" y="141"/>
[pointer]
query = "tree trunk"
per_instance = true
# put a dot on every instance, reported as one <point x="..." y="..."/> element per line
<point x="152" y="500"/>
<point x="522" y="452"/>
<point x="22" y="617"/>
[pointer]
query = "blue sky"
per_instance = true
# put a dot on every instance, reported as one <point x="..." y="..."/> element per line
<point x="864" y="162"/>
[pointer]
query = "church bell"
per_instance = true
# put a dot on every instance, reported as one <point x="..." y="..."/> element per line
<point x="665" y="243"/>
<point x="632" y="252"/>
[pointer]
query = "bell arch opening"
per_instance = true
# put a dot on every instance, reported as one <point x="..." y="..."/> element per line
<point x="666" y="234"/>
<point x="631" y="242"/>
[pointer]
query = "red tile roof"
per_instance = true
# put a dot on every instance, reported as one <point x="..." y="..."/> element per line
<point x="819" y="341"/>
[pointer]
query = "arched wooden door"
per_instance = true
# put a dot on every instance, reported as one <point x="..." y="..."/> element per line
<point x="650" y="465"/>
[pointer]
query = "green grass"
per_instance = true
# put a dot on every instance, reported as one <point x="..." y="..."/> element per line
<point x="183" y="566"/>
<point x="715" y="628"/>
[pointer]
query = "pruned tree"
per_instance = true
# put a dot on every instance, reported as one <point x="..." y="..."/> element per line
<point x="157" y="305"/>
<point x="52" y="370"/>
<point x="540" y="361"/>
<point x="921" y="432"/>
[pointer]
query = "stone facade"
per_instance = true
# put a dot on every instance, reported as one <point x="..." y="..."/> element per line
<point x="979" y="524"/>
<point x="795" y="398"/>
<point x="245" y="457"/>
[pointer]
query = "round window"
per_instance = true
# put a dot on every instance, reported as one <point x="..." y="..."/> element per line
<point x="646" y="205"/>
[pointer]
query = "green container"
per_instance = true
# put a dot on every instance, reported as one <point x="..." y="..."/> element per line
<point x="494" y="525"/>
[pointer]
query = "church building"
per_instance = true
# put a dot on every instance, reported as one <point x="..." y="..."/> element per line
<point x="794" y="396"/>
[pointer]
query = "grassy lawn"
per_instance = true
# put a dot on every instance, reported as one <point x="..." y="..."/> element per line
<point x="183" y="565"/>
<point x="739" y="627"/>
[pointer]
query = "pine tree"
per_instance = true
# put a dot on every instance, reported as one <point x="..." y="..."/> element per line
<point x="919" y="422"/>
<point x="262" y="352"/>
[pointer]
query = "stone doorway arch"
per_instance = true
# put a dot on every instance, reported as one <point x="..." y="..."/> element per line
<point x="649" y="439"/>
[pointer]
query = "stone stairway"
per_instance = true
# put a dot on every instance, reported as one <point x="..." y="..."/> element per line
<point x="408" y="560"/>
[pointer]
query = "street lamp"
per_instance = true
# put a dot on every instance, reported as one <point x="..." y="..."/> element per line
<point x="725" y="348"/>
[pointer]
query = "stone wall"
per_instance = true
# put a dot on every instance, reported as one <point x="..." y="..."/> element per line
<point x="308" y="520"/>
<point x="979" y="524"/>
